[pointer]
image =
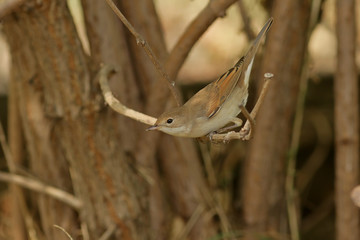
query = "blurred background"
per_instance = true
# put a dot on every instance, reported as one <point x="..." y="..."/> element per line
<point x="222" y="168"/>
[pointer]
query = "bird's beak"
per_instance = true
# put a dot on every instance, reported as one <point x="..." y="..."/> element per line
<point x="154" y="127"/>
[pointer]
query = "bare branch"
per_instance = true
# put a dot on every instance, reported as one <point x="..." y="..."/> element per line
<point x="108" y="233"/>
<point x="246" y="21"/>
<point x="64" y="231"/>
<point x="190" y="224"/>
<point x="40" y="187"/>
<point x="6" y="149"/>
<point x="7" y="6"/>
<point x="115" y="104"/>
<point x="143" y="43"/>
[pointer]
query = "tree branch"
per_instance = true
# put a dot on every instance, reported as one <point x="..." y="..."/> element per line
<point x="114" y="103"/>
<point x="143" y="43"/>
<point x="193" y="32"/>
<point x="40" y="187"/>
<point x="31" y="183"/>
<point x="246" y="21"/>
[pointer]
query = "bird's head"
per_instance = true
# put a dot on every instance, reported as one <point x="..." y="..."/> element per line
<point x="172" y="122"/>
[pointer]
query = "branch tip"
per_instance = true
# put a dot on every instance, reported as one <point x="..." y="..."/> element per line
<point x="268" y="75"/>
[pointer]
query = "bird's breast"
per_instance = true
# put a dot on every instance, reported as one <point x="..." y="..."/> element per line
<point x="228" y="111"/>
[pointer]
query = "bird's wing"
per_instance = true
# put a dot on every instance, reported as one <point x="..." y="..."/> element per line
<point x="220" y="89"/>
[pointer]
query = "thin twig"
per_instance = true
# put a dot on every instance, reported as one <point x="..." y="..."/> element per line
<point x="108" y="233"/>
<point x="210" y="172"/>
<point x="291" y="167"/>
<point x="150" y="53"/>
<point x="63" y="230"/>
<point x="114" y="103"/>
<point x="6" y="149"/>
<point x="246" y="21"/>
<point x="319" y="155"/>
<point x="224" y="221"/>
<point x="85" y="231"/>
<point x="247" y="129"/>
<point x="192" y="221"/>
<point x="26" y="216"/>
<point x="40" y="187"/>
<point x="267" y="77"/>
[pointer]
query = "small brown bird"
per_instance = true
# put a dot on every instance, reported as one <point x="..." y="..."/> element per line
<point x="217" y="104"/>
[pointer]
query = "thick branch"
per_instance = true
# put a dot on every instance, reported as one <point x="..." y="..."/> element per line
<point x="193" y="32"/>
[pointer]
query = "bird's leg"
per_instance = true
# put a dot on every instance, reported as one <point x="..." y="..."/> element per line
<point x="246" y="131"/>
<point x="237" y="123"/>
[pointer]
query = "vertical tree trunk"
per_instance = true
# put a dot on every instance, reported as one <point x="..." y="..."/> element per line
<point x="66" y="128"/>
<point x="16" y="144"/>
<point x="346" y="123"/>
<point x="264" y="173"/>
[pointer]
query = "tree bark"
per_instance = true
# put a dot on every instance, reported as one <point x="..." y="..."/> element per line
<point x="264" y="171"/>
<point x="346" y="123"/>
<point x="66" y="128"/>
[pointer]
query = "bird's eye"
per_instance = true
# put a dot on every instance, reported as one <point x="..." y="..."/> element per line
<point x="170" y="120"/>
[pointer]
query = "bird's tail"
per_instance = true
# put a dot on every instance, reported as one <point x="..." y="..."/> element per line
<point x="249" y="56"/>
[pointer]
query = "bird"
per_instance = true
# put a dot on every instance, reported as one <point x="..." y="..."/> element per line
<point x="217" y="104"/>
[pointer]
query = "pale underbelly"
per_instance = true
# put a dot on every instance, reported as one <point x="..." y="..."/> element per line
<point x="229" y="111"/>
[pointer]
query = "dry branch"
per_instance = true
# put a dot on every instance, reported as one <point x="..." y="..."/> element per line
<point x="143" y="43"/>
<point x="115" y="104"/>
<point x="64" y="231"/>
<point x="246" y="20"/>
<point x="40" y="187"/>
<point x="193" y="32"/>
